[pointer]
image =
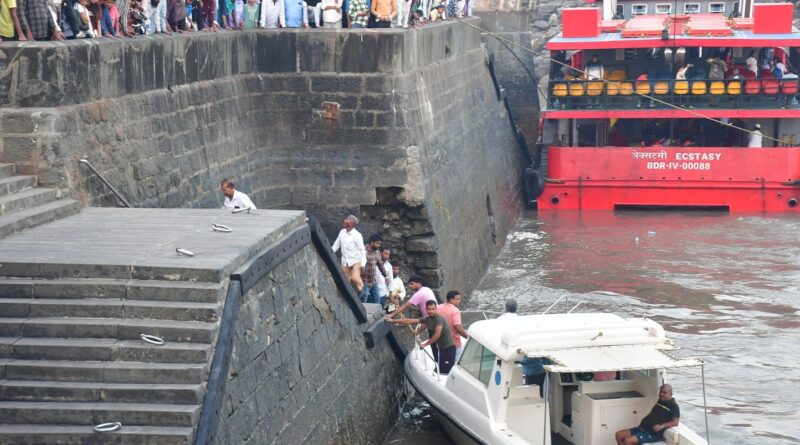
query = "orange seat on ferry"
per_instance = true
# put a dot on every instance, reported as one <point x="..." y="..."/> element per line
<point x="560" y="90"/>
<point x="717" y="87"/>
<point x="681" y="87"/>
<point x="643" y="87"/>
<point x="594" y="88"/>
<point x="625" y="88"/>
<point x="661" y="87"/>
<point x="576" y="89"/>
<point x="612" y="88"/>
<point x="735" y="88"/>
<point x="699" y="88"/>
<point x="752" y="87"/>
<point x="789" y="86"/>
<point x="771" y="86"/>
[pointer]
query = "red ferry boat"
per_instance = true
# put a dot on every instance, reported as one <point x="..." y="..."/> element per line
<point x="630" y="101"/>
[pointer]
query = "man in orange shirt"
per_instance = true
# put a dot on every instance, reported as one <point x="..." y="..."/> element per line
<point x="384" y="12"/>
<point x="452" y="314"/>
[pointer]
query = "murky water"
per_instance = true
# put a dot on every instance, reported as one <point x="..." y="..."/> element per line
<point x="726" y="288"/>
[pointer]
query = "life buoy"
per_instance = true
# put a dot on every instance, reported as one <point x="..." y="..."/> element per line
<point x="533" y="185"/>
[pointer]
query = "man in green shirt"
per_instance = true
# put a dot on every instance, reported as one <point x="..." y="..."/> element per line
<point x="359" y="13"/>
<point x="439" y="336"/>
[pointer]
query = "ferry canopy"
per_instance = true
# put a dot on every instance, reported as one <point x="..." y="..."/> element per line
<point x="738" y="39"/>
<point x="611" y="358"/>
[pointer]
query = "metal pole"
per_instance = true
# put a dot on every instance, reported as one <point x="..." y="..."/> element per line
<point x="554" y="303"/>
<point x="705" y="404"/>
<point x="545" y="392"/>
<point x="108" y="184"/>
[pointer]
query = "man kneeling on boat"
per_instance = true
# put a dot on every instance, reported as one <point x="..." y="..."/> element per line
<point x="665" y="414"/>
<point x="439" y="336"/>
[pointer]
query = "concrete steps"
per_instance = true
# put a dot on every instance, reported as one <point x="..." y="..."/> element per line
<point x="23" y="205"/>
<point x="32" y="434"/>
<point x="71" y="357"/>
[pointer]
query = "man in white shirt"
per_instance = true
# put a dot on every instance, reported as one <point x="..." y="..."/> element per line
<point x="755" y="137"/>
<point x="384" y="283"/>
<point x="235" y="199"/>
<point x="272" y="14"/>
<point x="331" y="13"/>
<point x="511" y="309"/>
<point x="354" y="255"/>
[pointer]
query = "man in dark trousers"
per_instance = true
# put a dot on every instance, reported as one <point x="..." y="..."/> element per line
<point x="665" y="414"/>
<point x="439" y="336"/>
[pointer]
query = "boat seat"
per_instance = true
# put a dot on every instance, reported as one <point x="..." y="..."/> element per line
<point x="699" y="88"/>
<point x="625" y="88"/>
<point x="576" y="89"/>
<point x="643" y="87"/>
<point x="734" y="88"/>
<point x="789" y="86"/>
<point x="612" y="89"/>
<point x="661" y="87"/>
<point x="560" y="90"/>
<point x="771" y="87"/>
<point x="752" y="87"/>
<point x="681" y="87"/>
<point x="617" y="75"/>
<point x="594" y="89"/>
<point x="717" y="87"/>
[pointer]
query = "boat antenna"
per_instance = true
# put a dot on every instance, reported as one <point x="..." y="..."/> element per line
<point x="653" y="99"/>
<point x="554" y="303"/>
<point x="705" y="404"/>
<point x="545" y="392"/>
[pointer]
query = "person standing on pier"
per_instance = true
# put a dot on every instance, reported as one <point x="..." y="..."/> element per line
<point x="440" y="338"/>
<point x="372" y="271"/>
<point x="384" y="284"/>
<point x="422" y="294"/>
<point x="384" y="12"/>
<point x="354" y="255"/>
<point x="235" y="199"/>
<point x="452" y="314"/>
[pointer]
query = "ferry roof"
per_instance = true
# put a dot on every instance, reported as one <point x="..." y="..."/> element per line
<point x="693" y="30"/>
<point x="614" y="40"/>
<point x="579" y="342"/>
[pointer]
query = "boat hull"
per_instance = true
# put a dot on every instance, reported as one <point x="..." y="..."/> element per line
<point x="738" y="180"/>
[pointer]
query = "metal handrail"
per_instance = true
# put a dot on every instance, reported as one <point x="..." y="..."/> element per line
<point x="105" y="181"/>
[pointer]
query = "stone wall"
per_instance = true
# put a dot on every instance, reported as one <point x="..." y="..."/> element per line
<point x="419" y="145"/>
<point x="300" y="371"/>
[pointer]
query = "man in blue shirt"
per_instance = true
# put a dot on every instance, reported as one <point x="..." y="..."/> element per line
<point x="533" y="371"/>
<point x="296" y="13"/>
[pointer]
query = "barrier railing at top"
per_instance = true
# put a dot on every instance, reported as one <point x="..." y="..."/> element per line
<point x="701" y="93"/>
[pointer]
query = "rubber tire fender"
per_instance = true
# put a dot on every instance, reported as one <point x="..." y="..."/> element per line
<point x="533" y="184"/>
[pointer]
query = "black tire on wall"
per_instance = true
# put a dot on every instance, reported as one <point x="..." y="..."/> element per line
<point x="533" y="185"/>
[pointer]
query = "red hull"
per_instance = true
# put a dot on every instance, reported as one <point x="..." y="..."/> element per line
<point x="739" y="179"/>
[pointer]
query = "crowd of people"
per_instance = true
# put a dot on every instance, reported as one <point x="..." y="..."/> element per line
<point x="43" y="20"/>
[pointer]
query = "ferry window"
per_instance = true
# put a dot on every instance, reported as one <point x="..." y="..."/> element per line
<point x="691" y="8"/>
<point x="736" y="7"/>
<point x="663" y="8"/>
<point x="477" y="361"/>
<point x="716" y="8"/>
<point x="638" y="9"/>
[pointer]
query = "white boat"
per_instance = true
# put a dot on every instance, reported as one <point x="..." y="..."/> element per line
<point x="484" y="400"/>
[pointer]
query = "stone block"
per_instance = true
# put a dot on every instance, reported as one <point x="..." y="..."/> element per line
<point x="426" y="244"/>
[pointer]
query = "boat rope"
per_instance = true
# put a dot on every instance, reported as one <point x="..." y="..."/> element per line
<point x="705" y="404"/>
<point x="618" y="85"/>
<point x="419" y="343"/>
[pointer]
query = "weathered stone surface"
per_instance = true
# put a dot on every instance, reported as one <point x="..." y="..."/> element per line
<point x="292" y="375"/>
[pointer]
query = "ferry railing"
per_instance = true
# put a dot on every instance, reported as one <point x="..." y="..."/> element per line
<point x="762" y="93"/>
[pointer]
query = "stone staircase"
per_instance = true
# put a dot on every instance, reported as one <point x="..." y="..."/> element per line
<point x="23" y="205"/>
<point x="71" y="357"/>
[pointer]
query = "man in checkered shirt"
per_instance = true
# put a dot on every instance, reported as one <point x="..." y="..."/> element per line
<point x="36" y="21"/>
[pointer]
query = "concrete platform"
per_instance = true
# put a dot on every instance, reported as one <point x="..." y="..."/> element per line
<point x="140" y="244"/>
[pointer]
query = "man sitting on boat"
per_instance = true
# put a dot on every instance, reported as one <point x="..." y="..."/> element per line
<point x="439" y="336"/>
<point x="665" y="414"/>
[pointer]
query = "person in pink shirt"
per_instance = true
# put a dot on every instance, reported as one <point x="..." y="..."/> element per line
<point x="422" y="295"/>
<point x="452" y="314"/>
